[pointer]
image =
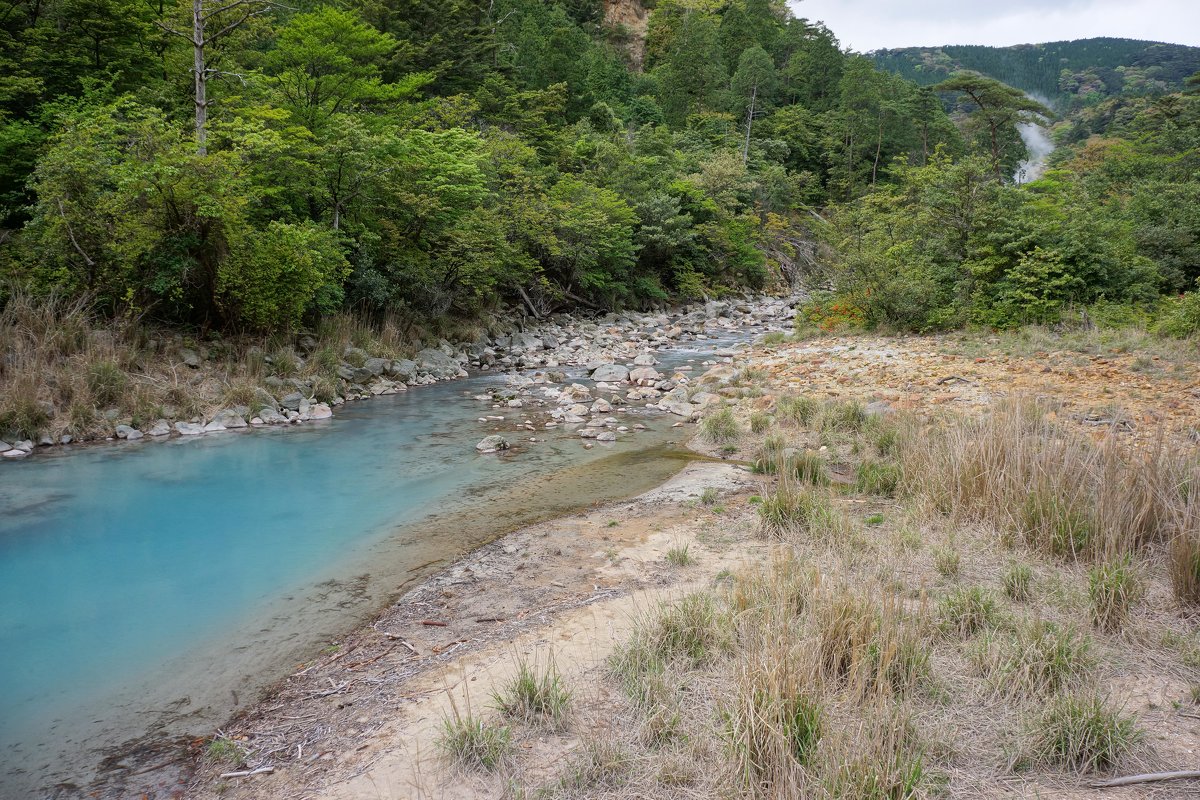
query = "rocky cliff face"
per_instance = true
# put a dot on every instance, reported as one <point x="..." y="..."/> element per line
<point x="629" y="19"/>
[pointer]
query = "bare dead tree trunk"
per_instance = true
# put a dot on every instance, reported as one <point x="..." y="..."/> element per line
<point x="749" y="122"/>
<point x="200" y="68"/>
<point x="225" y="19"/>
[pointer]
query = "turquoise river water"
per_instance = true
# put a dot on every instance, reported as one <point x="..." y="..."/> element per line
<point x="150" y="589"/>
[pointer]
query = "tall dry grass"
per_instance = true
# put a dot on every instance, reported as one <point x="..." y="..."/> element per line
<point x="66" y="371"/>
<point x="1055" y="490"/>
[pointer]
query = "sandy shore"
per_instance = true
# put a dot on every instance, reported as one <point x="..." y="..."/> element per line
<point x="362" y="721"/>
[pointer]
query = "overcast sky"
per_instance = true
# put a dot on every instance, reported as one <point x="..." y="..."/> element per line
<point x="864" y="25"/>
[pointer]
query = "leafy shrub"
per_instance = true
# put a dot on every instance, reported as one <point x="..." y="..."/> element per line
<point x="1180" y="316"/>
<point x="275" y="275"/>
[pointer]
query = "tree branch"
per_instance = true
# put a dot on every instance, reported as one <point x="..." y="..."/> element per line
<point x="71" y="235"/>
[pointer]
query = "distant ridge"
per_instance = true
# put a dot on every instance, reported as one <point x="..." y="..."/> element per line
<point x="1068" y="73"/>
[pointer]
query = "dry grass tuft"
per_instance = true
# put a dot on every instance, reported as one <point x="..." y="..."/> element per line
<point x="1037" y="659"/>
<point x="1081" y="732"/>
<point x="1113" y="587"/>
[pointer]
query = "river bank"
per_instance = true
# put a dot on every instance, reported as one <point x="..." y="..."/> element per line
<point x="68" y="383"/>
<point x="364" y="721"/>
<point x="415" y="494"/>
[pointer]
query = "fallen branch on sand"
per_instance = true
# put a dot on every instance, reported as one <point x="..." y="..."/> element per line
<point x="1148" y="777"/>
<point x="246" y="773"/>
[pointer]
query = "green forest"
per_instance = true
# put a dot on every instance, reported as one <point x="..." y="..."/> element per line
<point x="1069" y="74"/>
<point x="245" y="166"/>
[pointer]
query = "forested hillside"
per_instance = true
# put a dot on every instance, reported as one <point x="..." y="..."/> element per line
<point x="1070" y="74"/>
<point x="247" y="166"/>
<point x="427" y="158"/>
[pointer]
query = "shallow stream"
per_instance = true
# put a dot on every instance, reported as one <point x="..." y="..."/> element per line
<point x="150" y="589"/>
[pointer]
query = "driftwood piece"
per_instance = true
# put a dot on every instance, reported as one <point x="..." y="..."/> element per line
<point x="246" y="773"/>
<point x="1148" y="777"/>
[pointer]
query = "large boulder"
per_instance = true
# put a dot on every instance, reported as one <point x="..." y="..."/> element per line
<point x="229" y="418"/>
<point x="610" y="373"/>
<point x="491" y="444"/>
<point x="292" y="401"/>
<point x="526" y="342"/>
<point x="127" y="432"/>
<point x="189" y="428"/>
<point x="685" y="410"/>
<point x="438" y="364"/>
<point x="402" y="368"/>
<point x="644" y="376"/>
<point x="320" y="411"/>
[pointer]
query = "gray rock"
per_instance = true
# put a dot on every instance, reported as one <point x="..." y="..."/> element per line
<point x="264" y="399"/>
<point x="5" y="446"/>
<point x="14" y="453"/>
<point x="645" y="360"/>
<point x="276" y="383"/>
<point x="213" y="427"/>
<point x="490" y="444"/>
<point x="320" y="411"/>
<point x="550" y="341"/>
<point x="644" y="375"/>
<point x="189" y="357"/>
<point x="377" y="366"/>
<point x="292" y="401"/>
<point x="230" y="417"/>
<point x="189" y="428"/>
<point x="686" y="410"/>
<point x="606" y="436"/>
<point x="270" y="416"/>
<point x="66" y="438"/>
<point x="24" y="444"/>
<point x="879" y="408"/>
<point x="126" y="432"/>
<point x="527" y="342"/>
<point x="438" y="364"/>
<point x="402" y="368"/>
<point x="160" y="428"/>
<point x="610" y="373"/>
<point x="345" y="372"/>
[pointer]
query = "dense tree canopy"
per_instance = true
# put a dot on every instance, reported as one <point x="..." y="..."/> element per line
<point x="451" y="157"/>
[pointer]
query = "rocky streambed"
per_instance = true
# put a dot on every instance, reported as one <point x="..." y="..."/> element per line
<point x="618" y="352"/>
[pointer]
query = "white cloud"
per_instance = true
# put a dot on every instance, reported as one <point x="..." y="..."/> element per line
<point x="872" y="24"/>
